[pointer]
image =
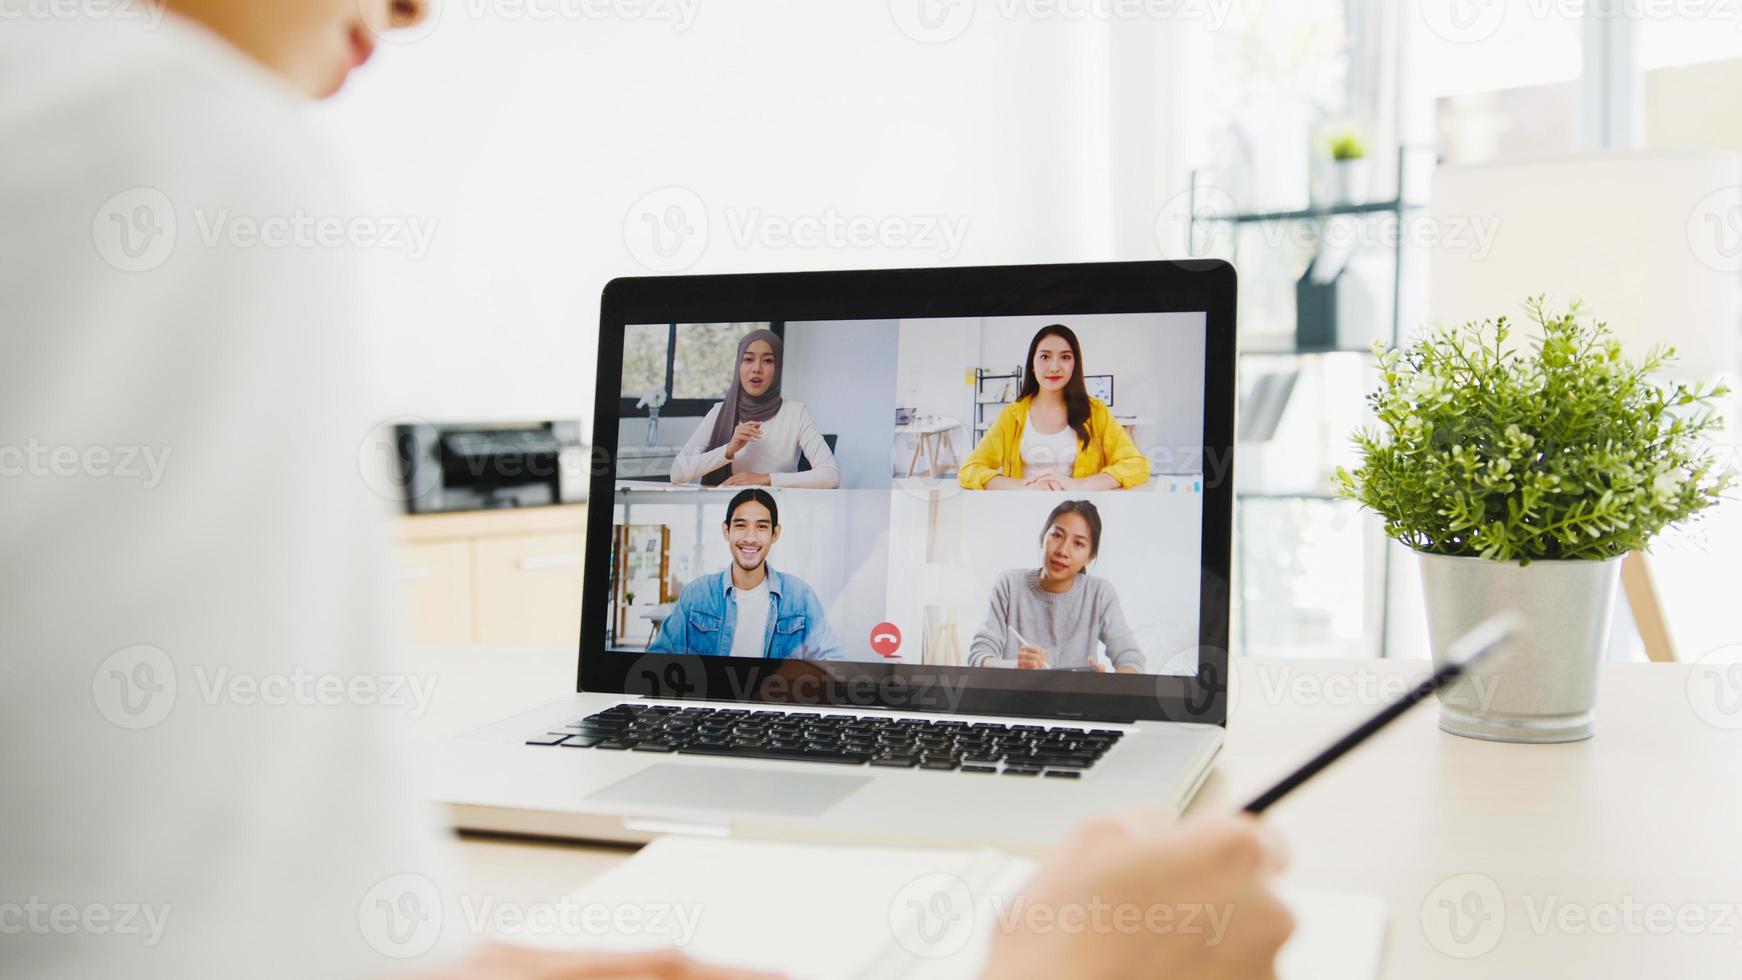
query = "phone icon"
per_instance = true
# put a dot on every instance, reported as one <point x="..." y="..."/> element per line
<point x="885" y="639"/>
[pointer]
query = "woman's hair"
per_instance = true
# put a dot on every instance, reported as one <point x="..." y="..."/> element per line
<point x="1090" y="516"/>
<point x="1076" y="391"/>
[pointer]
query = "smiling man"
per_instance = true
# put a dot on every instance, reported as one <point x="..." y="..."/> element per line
<point x="749" y="609"/>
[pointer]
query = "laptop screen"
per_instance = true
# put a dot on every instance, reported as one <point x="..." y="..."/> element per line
<point x="996" y="493"/>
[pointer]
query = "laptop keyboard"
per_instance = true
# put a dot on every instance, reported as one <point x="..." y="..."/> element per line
<point x="876" y="740"/>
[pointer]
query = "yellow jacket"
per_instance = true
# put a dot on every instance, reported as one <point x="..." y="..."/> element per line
<point x="1110" y="450"/>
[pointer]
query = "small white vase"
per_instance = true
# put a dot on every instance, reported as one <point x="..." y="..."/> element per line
<point x="1351" y="180"/>
<point x="1543" y="686"/>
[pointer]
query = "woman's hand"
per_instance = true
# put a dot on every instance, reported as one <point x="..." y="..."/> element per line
<point x="1198" y="893"/>
<point x="1031" y="658"/>
<point x="499" y="961"/>
<point x="1044" y="481"/>
<point x="745" y="434"/>
<point x="748" y="480"/>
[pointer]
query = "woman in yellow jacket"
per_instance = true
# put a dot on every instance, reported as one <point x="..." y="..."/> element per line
<point x="1055" y="437"/>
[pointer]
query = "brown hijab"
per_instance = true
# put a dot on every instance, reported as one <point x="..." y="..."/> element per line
<point x="740" y="406"/>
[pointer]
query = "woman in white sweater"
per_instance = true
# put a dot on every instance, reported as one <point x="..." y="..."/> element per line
<point x="754" y="438"/>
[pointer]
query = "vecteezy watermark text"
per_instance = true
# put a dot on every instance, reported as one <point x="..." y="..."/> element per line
<point x="1467" y="915"/>
<point x="406" y="915"/>
<point x="669" y="229"/>
<point x="35" y="459"/>
<point x="37" y="917"/>
<point x="148" y="15"/>
<point x="938" y="21"/>
<point x="300" y="229"/>
<point x="137" y="687"/>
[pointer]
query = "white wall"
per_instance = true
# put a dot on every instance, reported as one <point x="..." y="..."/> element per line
<point x="842" y="371"/>
<point x="531" y="141"/>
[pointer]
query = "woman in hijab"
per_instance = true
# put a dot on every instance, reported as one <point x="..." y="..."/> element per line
<point x="754" y="437"/>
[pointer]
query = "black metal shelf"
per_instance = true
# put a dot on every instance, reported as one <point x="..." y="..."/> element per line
<point x="1393" y="206"/>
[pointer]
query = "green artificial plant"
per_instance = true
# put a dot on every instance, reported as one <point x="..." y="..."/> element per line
<point x="1567" y="451"/>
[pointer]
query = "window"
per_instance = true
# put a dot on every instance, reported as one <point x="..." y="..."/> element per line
<point x="1504" y="85"/>
<point x="691" y="362"/>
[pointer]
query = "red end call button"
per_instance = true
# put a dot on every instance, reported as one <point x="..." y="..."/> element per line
<point x="885" y="639"/>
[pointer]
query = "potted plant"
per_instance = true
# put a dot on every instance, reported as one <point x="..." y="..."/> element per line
<point x="1349" y="162"/>
<point x="1522" y="480"/>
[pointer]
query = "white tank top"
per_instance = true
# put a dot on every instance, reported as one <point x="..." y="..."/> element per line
<point x="1042" y="453"/>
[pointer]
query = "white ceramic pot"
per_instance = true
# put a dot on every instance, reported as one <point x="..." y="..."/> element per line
<point x="1351" y="181"/>
<point x="1543" y="686"/>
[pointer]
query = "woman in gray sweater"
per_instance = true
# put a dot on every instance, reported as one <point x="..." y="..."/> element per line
<point x="1054" y="618"/>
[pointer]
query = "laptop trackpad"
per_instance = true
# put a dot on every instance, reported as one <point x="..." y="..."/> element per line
<point x="724" y="788"/>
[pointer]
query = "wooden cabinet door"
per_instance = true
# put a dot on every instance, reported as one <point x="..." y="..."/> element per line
<point x="529" y="589"/>
<point x="435" y="581"/>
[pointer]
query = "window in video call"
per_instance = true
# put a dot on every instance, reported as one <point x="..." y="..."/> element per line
<point x="1003" y="493"/>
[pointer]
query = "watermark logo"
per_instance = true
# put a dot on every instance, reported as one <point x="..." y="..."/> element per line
<point x="938" y="21"/>
<point x="39" y="460"/>
<point x="302" y="230"/>
<point x="300" y="687"/>
<point x="143" y="12"/>
<point x="401" y="916"/>
<point x="932" y="21"/>
<point x="1715" y="230"/>
<point x="667" y="229"/>
<point x="135" y="231"/>
<point x="388" y="467"/>
<point x="1715" y="688"/>
<point x="1464" y="21"/>
<point x="933" y="916"/>
<point x="1199" y="222"/>
<point x="127" y="919"/>
<point x="135" y="687"/>
<point x="1464" y="916"/>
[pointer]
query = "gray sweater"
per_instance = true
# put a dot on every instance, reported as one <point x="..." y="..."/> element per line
<point x="1068" y="626"/>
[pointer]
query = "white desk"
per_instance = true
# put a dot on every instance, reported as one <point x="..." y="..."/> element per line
<point x="931" y="439"/>
<point x="1645" y="813"/>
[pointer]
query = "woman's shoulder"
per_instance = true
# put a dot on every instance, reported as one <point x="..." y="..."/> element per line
<point x="1014" y="579"/>
<point x="1099" y="589"/>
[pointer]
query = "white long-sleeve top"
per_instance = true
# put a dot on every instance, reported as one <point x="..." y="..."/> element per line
<point x="788" y="434"/>
<point x="193" y="583"/>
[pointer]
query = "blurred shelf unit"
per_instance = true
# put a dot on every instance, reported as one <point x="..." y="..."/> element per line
<point x="993" y="390"/>
<point x="1269" y="405"/>
<point x="494" y="577"/>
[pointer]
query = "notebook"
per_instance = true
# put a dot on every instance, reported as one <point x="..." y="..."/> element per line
<point x="862" y="913"/>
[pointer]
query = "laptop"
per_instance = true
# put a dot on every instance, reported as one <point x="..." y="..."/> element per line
<point x="867" y="561"/>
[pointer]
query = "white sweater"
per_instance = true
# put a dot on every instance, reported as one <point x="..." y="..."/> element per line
<point x="191" y="557"/>
<point x="784" y="437"/>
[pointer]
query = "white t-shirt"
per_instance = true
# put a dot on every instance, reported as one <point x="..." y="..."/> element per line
<point x="790" y="433"/>
<point x="1055" y="453"/>
<point x="748" y="635"/>
<point x="190" y="548"/>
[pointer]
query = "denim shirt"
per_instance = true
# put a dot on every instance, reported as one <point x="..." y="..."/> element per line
<point x="707" y="614"/>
